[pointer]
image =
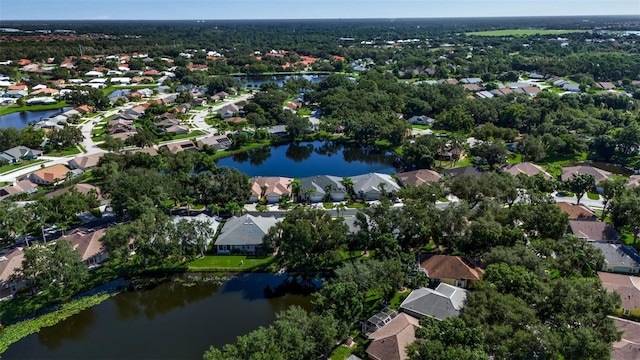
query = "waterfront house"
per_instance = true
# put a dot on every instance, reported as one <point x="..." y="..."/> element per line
<point x="219" y="142"/>
<point x="444" y="302"/>
<point x="244" y="234"/>
<point x="89" y="245"/>
<point x="315" y="188"/>
<point x="270" y="188"/>
<point x="372" y="186"/>
<point x="10" y="261"/>
<point x="179" y="146"/>
<point x="390" y="341"/>
<point x="418" y="177"/>
<point x="453" y="270"/>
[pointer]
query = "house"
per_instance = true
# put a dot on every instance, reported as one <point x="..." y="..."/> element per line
<point x="177" y="129"/>
<point x="229" y="110"/>
<point x="89" y="245"/>
<point x="93" y="73"/>
<point x="627" y="286"/>
<point x="391" y="340"/>
<point x="81" y="188"/>
<point x="571" y="87"/>
<point x="136" y="111"/>
<point x="418" y="177"/>
<point x="17" y="187"/>
<point x="421" y="120"/>
<point x="85" y="162"/>
<point x="217" y="142"/>
<point x="577" y="212"/>
<point x="598" y="174"/>
<point x="51" y="175"/>
<point x="619" y="258"/>
<point x="149" y="151"/>
<point x="212" y="222"/>
<point x="221" y="95"/>
<point x="270" y="188"/>
<point x="46" y="91"/>
<point x="450" y="154"/>
<point x="448" y="81"/>
<point x="606" y="85"/>
<point x="471" y="81"/>
<point x="167" y="122"/>
<point x="464" y="171"/>
<point x="526" y="168"/>
<point x="593" y="231"/>
<point x="15" y="154"/>
<point x="374" y="185"/>
<point x="452" y="270"/>
<point x="244" y="234"/>
<point x="179" y="146"/>
<point x="200" y="102"/>
<point x="634" y="180"/>
<point x="183" y="108"/>
<point x="315" y="188"/>
<point x="628" y="347"/>
<point x="472" y="87"/>
<point x="444" y="302"/>
<point x="10" y="261"/>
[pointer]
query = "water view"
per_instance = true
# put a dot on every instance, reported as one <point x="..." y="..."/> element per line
<point x="256" y="80"/>
<point x="312" y="158"/>
<point x="170" y="321"/>
<point x="19" y="120"/>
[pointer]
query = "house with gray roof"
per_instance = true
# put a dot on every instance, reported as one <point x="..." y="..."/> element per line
<point x="619" y="258"/>
<point x="15" y="154"/>
<point x="244" y="234"/>
<point x="320" y="184"/>
<point x="443" y="302"/>
<point x="371" y="186"/>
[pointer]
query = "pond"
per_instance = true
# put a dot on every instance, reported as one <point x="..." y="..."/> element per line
<point x="612" y="168"/>
<point x="20" y="120"/>
<point x="170" y="321"/>
<point x="256" y="80"/>
<point x="311" y="159"/>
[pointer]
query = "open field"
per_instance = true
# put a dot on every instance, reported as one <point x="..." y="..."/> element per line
<point x="522" y="32"/>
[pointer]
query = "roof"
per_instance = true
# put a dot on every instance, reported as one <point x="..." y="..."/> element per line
<point x="19" y="152"/>
<point x="629" y="347"/>
<point x="52" y="173"/>
<point x="444" y="302"/>
<point x="179" y="146"/>
<point x="215" y="141"/>
<point x="598" y="174"/>
<point x="9" y="262"/>
<point x="151" y="151"/>
<point x="370" y="182"/>
<point x="464" y="171"/>
<point x="245" y="230"/>
<point x="418" y="177"/>
<point x="320" y="182"/>
<point x="526" y="168"/>
<point x="86" y="161"/>
<point x="577" y="212"/>
<point x="627" y="286"/>
<point x="275" y="185"/>
<point x="18" y="187"/>
<point x="390" y="341"/>
<point x="593" y="230"/>
<point x="619" y="255"/>
<point x="88" y="244"/>
<point x="634" y="181"/>
<point x="450" y="267"/>
<point x="81" y="188"/>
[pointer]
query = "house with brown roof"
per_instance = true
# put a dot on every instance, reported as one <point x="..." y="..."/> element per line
<point x="452" y="270"/>
<point x="85" y="162"/>
<point x="605" y="85"/>
<point x="526" y="168"/>
<point x="150" y="151"/>
<point x="598" y="174"/>
<point x="593" y="231"/>
<point x="577" y="212"/>
<point x="179" y="146"/>
<point x="51" y="175"/>
<point x="177" y="129"/>
<point x="17" y="187"/>
<point x="627" y="286"/>
<point x="418" y="177"/>
<point x="10" y="261"/>
<point x="628" y="348"/>
<point x="390" y="341"/>
<point x="81" y="188"/>
<point x="89" y="245"/>
<point x="634" y="181"/>
<point x="216" y="142"/>
<point x="270" y="188"/>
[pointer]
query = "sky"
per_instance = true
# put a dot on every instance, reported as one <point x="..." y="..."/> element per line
<point x="302" y="9"/>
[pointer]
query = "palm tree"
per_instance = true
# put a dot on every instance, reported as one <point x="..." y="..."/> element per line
<point x="189" y="200"/>
<point x="233" y="208"/>
<point x="383" y="186"/>
<point x="215" y="209"/>
<point x="263" y="192"/>
<point x="328" y="189"/>
<point x="348" y="185"/>
<point x="340" y="208"/>
<point x="296" y="188"/>
<point x="308" y="194"/>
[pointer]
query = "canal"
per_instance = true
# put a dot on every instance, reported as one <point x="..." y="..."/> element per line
<point x="171" y="321"/>
<point x="311" y="159"/>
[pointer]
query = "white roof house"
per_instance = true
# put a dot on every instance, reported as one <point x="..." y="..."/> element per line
<point x="371" y="186"/>
<point x="93" y="73"/>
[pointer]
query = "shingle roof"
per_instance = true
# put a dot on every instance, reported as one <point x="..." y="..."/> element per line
<point x="629" y="347"/>
<point x="86" y="161"/>
<point x="619" y="255"/>
<point x="593" y="230"/>
<point x="465" y="170"/>
<point x="368" y="183"/>
<point x="9" y="262"/>
<point x="627" y="286"/>
<point x="450" y="267"/>
<point x="418" y="177"/>
<point x="245" y="230"/>
<point x="526" y="168"/>
<point x="390" y="341"/>
<point x="320" y="182"/>
<point x="443" y="302"/>
<point x="576" y="212"/>
<point x="598" y="174"/>
<point x="87" y="244"/>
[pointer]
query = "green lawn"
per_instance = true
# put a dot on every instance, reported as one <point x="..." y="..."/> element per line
<point x="20" y="165"/>
<point x="304" y="112"/>
<point x="188" y="135"/>
<point x="64" y="152"/>
<point x="230" y="263"/>
<point x="516" y="159"/>
<point x="16" y="108"/>
<point x="522" y="32"/>
<point x="593" y="196"/>
<point x="341" y="353"/>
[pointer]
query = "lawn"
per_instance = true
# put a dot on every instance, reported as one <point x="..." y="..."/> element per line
<point x="522" y="32"/>
<point x="341" y="353"/>
<point x="593" y="196"/>
<point x="304" y="112"/>
<point x="188" y="135"/>
<point x="24" y="163"/>
<point x="516" y="159"/>
<point x="16" y="108"/>
<point x="231" y="263"/>
<point x="64" y="152"/>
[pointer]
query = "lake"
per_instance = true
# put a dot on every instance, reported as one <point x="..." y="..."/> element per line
<point x="256" y="80"/>
<point x="170" y="321"/>
<point x="311" y="159"/>
<point x="20" y="120"/>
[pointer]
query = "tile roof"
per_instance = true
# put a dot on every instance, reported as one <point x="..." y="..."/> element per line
<point x="418" y="177"/>
<point x="52" y="173"/>
<point x="577" y="212"/>
<point x="450" y="267"/>
<point x="390" y="341"/>
<point x="275" y="185"/>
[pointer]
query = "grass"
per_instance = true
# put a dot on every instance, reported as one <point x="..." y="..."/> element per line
<point x="398" y="298"/>
<point x="522" y="32"/>
<point x="304" y="112"/>
<point x="188" y="135"/>
<point x="516" y="159"/>
<point x="17" y="166"/>
<point x="421" y="127"/>
<point x="225" y="153"/>
<point x="341" y="353"/>
<point x="82" y="148"/>
<point x="328" y="205"/>
<point x="356" y="254"/>
<point x="64" y="152"/>
<point x="16" y="108"/>
<point x="231" y="263"/>
<point x="593" y="196"/>
<point x="356" y="205"/>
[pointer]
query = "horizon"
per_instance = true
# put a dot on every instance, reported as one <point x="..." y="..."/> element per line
<point x="186" y="10"/>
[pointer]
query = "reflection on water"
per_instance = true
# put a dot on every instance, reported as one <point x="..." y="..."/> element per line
<point x="174" y="320"/>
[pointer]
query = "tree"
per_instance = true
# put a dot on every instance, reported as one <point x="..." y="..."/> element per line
<point x="494" y="153"/>
<point x="580" y="184"/>
<point x="625" y="213"/>
<point x="456" y="119"/>
<point x="112" y="144"/>
<point x="611" y="188"/>
<point x="296" y="188"/>
<point x="531" y="148"/>
<point x="297" y="126"/>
